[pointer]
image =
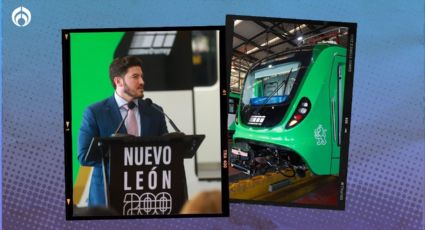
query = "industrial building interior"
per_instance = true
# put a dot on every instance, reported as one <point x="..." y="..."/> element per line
<point x="254" y="40"/>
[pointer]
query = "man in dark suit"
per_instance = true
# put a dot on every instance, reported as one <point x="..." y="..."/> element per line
<point x="103" y="118"/>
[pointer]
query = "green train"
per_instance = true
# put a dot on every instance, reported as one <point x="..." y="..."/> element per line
<point x="291" y="111"/>
<point x="233" y="103"/>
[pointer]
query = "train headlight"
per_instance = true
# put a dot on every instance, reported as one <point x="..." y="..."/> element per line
<point x="302" y="110"/>
<point x="300" y="113"/>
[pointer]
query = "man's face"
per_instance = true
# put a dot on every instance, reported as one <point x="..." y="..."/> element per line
<point x="132" y="84"/>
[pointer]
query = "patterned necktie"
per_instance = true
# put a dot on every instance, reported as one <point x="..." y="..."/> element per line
<point x="131" y="123"/>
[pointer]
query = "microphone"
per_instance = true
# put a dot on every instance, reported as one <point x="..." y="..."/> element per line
<point x="130" y="105"/>
<point x="151" y="104"/>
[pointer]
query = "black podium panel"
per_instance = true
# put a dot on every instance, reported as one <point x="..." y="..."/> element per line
<point x="146" y="175"/>
<point x="147" y="178"/>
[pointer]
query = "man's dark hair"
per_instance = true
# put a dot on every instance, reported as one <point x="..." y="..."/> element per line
<point x="120" y="65"/>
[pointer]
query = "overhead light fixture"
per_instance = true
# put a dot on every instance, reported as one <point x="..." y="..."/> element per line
<point x="297" y="28"/>
<point x="276" y="38"/>
<point x="237" y="22"/>
<point x="300" y="38"/>
<point x="252" y="50"/>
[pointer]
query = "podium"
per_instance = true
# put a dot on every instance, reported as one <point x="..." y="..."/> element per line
<point x="144" y="175"/>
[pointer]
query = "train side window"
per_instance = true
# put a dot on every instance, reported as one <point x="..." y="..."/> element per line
<point x="232" y="106"/>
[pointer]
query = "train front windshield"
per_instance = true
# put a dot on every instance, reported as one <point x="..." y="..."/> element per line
<point x="270" y="85"/>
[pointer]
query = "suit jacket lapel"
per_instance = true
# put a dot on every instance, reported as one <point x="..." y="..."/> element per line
<point x="145" y="118"/>
<point x="115" y="115"/>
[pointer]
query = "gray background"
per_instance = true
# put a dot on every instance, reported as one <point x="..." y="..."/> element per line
<point x="385" y="187"/>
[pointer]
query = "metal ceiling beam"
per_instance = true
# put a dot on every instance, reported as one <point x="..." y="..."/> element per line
<point x="246" y="41"/>
<point x="244" y="56"/>
<point x="251" y="42"/>
<point x="293" y="37"/>
<point x="285" y="31"/>
<point x="240" y="68"/>
<point x="273" y="31"/>
<point x="252" y="38"/>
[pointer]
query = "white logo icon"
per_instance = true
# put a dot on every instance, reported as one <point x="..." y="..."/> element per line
<point x="256" y="120"/>
<point x="147" y="204"/>
<point x="21" y="16"/>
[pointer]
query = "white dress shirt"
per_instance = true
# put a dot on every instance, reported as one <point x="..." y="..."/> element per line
<point x="121" y="103"/>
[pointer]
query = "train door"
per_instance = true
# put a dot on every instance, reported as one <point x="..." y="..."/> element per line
<point x="232" y="110"/>
<point x="336" y="88"/>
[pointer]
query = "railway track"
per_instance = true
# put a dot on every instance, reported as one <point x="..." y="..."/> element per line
<point x="275" y="187"/>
